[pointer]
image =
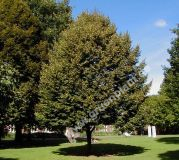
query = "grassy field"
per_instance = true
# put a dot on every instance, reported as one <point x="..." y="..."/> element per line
<point x="108" y="147"/>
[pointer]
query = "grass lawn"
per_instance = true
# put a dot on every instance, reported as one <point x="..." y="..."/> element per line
<point x="108" y="147"/>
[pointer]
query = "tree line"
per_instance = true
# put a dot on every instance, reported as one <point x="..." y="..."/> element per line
<point x="55" y="71"/>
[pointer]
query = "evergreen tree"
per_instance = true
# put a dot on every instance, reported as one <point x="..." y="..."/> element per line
<point x="170" y="86"/>
<point x="80" y="85"/>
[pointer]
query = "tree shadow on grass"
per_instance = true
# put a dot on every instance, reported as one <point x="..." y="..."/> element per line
<point x="101" y="150"/>
<point x="2" y="158"/>
<point x="81" y="139"/>
<point x="170" y="155"/>
<point x="169" y="140"/>
<point x="10" y="144"/>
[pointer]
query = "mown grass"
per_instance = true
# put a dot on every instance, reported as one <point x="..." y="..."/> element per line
<point x="108" y="147"/>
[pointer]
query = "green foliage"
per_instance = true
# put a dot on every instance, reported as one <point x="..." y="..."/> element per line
<point x="7" y="84"/>
<point x="87" y="65"/>
<point x="155" y="111"/>
<point x="171" y="82"/>
<point x="22" y="48"/>
<point x="170" y="86"/>
<point x="28" y="29"/>
<point x="54" y="17"/>
<point x="162" y="110"/>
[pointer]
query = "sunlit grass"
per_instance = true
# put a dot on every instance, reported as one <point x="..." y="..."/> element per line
<point x="108" y="147"/>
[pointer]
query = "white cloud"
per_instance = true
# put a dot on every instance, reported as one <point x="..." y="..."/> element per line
<point x="160" y="23"/>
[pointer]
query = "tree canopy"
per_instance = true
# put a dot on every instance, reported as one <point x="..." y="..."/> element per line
<point x="54" y="17"/>
<point x="88" y="65"/>
<point x="155" y="111"/>
<point x="170" y="86"/>
<point x="26" y="35"/>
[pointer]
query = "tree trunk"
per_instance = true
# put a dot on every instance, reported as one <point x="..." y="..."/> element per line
<point x="88" y="134"/>
<point x="1" y="132"/>
<point x="29" y="136"/>
<point x="89" y="131"/>
<point x="18" y="134"/>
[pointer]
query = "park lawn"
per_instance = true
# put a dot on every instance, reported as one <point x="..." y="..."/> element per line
<point x="108" y="147"/>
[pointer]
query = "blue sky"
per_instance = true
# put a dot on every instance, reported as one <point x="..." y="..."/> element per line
<point x="149" y="22"/>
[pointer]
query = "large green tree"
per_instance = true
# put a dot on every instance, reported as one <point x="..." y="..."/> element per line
<point x="54" y="17"/>
<point x="170" y="86"/>
<point x="80" y="86"/>
<point x="22" y="48"/>
<point x="28" y="29"/>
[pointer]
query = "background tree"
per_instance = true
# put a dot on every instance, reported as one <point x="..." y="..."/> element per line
<point x="54" y="17"/>
<point x="7" y="85"/>
<point x="27" y="32"/>
<point x="155" y="111"/>
<point x="170" y="86"/>
<point x="22" y="48"/>
<point x="131" y="100"/>
<point x="87" y="65"/>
